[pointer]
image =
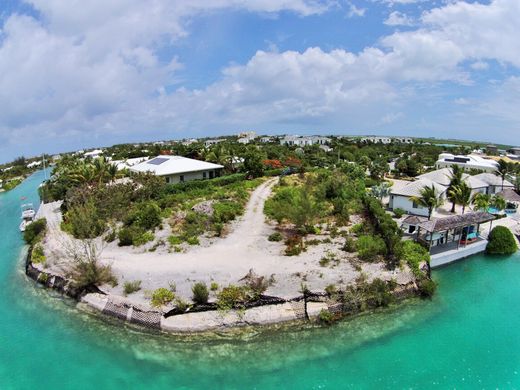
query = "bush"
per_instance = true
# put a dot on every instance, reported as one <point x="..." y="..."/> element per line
<point x="34" y="231"/>
<point x="87" y="273"/>
<point x="85" y="221"/>
<point x="174" y="240"/>
<point x="193" y="240"/>
<point x="501" y="241"/>
<point x="426" y="287"/>
<point x="162" y="296"/>
<point x="276" y="236"/>
<point x="226" y="211"/>
<point x="369" y="247"/>
<point x="213" y="286"/>
<point x="326" y="317"/>
<point x="398" y="213"/>
<point x="232" y="297"/>
<point x="414" y="254"/>
<point x="37" y="255"/>
<point x="145" y="215"/>
<point x="200" y="293"/>
<point x="131" y="287"/>
<point x="141" y="238"/>
<point x="126" y="237"/>
<point x="350" y="245"/>
<point x="294" y="246"/>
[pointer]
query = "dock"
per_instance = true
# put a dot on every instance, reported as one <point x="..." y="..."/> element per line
<point x="449" y="253"/>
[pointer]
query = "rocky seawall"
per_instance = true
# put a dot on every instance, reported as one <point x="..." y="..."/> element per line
<point x="265" y="311"/>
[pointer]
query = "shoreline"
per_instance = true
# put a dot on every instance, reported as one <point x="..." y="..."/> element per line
<point x="267" y="311"/>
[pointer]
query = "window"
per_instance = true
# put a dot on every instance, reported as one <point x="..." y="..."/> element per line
<point x="415" y="205"/>
<point x="181" y="178"/>
<point x="211" y="174"/>
<point x="204" y="174"/>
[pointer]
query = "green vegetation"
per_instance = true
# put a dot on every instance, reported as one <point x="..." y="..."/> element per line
<point x="88" y="272"/>
<point x="276" y="236"/>
<point x="398" y="213"/>
<point x="429" y="198"/>
<point x="200" y="293"/>
<point x="370" y="247"/>
<point x="233" y="297"/>
<point x="131" y="287"/>
<point x="37" y="255"/>
<point x="35" y="231"/>
<point x="213" y="286"/>
<point x="501" y="241"/>
<point x="162" y="296"/>
<point x="326" y="317"/>
<point x="414" y="254"/>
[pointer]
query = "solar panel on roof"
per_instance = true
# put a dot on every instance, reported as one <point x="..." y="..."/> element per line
<point x="157" y="161"/>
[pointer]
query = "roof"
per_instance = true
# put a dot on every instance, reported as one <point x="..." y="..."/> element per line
<point x="414" y="188"/>
<point x="456" y="221"/>
<point x="171" y="165"/>
<point x="474" y="182"/>
<point x="470" y="160"/>
<point x="510" y="195"/>
<point x="414" y="220"/>
<point x="493" y="180"/>
<point x="441" y="176"/>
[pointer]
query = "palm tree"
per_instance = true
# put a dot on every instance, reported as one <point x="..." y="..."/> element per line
<point x="461" y="194"/>
<point x="498" y="203"/>
<point x="456" y="177"/>
<point x="428" y="198"/>
<point x="380" y="191"/>
<point x="481" y="201"/>
<point x="503" y="170"/>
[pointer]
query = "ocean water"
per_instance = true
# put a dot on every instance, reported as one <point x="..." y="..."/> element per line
<point x="468" y="336"/>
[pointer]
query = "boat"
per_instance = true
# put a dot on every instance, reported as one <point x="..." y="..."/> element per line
<point x="28" y="214"/>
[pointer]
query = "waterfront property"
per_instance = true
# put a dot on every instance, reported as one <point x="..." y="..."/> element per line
<point x="402" y="193"/>
<point x="451" y="238"/>
<point x="177" y="169"/>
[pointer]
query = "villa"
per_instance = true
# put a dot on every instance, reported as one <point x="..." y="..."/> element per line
<point x="295" y="140"/>
<point x="402" y="191"/>
<point x="177" y="169"/>
<point x="128" y="163"/>
<point x="468" y="162"/>
<point x="93" y="154"/>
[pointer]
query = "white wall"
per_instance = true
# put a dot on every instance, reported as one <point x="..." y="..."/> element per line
<point x="189" y="176"/>
<point x="403" y="202"/>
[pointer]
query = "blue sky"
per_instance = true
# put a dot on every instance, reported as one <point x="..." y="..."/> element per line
<point x="77" y="74"/>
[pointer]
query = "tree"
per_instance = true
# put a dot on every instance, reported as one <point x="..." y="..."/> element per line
<point x="428" y="198"/>
<point x="456" y="178"/>
<point x="481" y="201"/>
<point x="461" y="195"/>
<point x="501" y="242"/>
<point x="380" y="191"/>
<point x="498" y="203"/>
<point x="504" y="168"/>
<point x="253" y="164"/>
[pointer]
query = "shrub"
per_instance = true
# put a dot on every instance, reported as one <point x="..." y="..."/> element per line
<point x="200" y="293"/>
<point x="426" y="287"/>
<point x="232" y="297"/>
<point x="294" y="246"/>
<point x="414" y="254"/>
<point x="398" y="212"/>
<point x="181" y="304"/>
<point x="162" y="296"/>
<point x="501" y="241"/>
<point x="326" y="317"/>
<point x="90" y="273"/>
<point x="174" y="240"/>
<point x="37" y="255"/>
<point x="193" y="241"/>
<point x="369" y="247"/>
<point x="145" y="215"/>
<point x="331" y="289"/>
<point x="131" y="287"/>
<point x="141" y="238"/>
<point x="226" y="211"/>
<point x="276" y="236"/>
<point x="34" y="231"/>
<point x="85" y="221"/>
<point x="213" y="286"/>
<point x="350" y="245"/>
<point x="126" y="237"/>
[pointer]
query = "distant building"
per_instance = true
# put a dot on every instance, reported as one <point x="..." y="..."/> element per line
<point x="387" y="140"/>
<point x="128" y="163"/>
<point x="467" y="162"/>
<point x="246" y="137"/>
<point x="211" y="142"/>
<point x="34" y="164"/>
<point x="492" y="150"/>
<point x="301" y="141"/>
<point x="177" y="169"/>
<point x="93" y="154"/>
<point x="266" y="140"/>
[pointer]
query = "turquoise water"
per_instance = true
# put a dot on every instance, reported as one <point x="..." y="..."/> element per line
<point x="468" y="336"/>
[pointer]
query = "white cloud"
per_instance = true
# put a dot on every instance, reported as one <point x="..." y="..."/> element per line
<point x="355" y="11"/>
<point x="397" y="18"/>
<point x="91" y="70"/>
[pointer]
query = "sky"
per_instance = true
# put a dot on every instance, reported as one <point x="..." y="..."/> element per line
<point x="77" y="74"/>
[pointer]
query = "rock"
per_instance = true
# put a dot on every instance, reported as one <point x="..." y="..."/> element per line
<point x="314" y="308"/>
<point x="205" y="207"/>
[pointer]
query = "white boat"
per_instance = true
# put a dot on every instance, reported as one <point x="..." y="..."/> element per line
<point x="28" y="214"/>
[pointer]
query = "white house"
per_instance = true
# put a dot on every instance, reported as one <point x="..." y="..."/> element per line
<point x="34" y="164"/>
<point x="494" y="183"/>
<point x="130" y="162"/>
<point x="176" y="169"/>
<point x="93" y="154"/>
<point x="468" y="162"/>
<point x="211" y="142"/>
<point x="295" y="140"/>
<point x="401" y="193"/>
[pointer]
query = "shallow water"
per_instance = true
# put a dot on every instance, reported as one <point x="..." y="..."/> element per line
<point x="466" y="337"/>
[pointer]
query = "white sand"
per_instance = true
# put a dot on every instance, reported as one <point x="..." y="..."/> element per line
<point x="226" y="261"/>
